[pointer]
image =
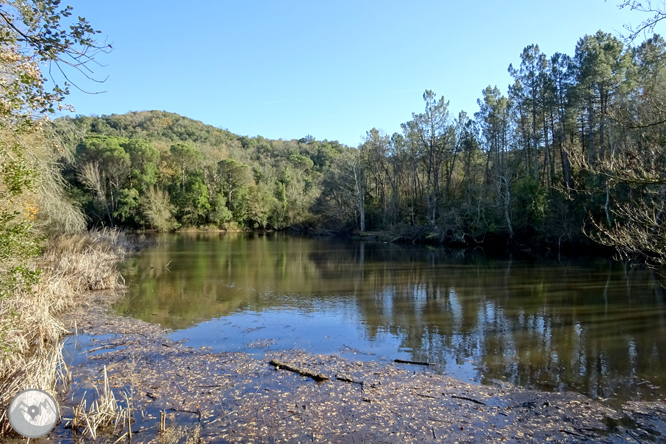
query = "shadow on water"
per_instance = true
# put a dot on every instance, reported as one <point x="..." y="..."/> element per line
<point x="595" y="327"/>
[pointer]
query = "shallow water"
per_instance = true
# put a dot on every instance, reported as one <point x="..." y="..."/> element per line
<point x="591" y="326"/>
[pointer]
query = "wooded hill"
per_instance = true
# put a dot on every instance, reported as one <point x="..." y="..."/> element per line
<point x="154" y="169"/>
<point x="574" y="152"/>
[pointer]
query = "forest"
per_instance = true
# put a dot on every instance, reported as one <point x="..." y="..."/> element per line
<point x="572" y="153"/>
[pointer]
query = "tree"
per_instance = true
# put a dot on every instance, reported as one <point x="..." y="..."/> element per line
<point x="34" y="32"/>
<point x="345" y="192"/>
<point x="31" y="33"/>
<point x="219" y="214"/>
<point x="158" y="210"/>
<point x="261" y="204"/>
<point x="634" y="167"/>
<point x="529" y="92"/>
<point x="104" y="167"/>
<point x="186" y="156"/>
<point x="601" y="67"/>
<point x="235" y="176"/>
<point x="374" y="152"/>
<point x="144" y="158"/>
<point x="436" y="137"/>
<point x="494" y="120"/>
<point x="128" y="205"/>
<point x="562" y="78"/>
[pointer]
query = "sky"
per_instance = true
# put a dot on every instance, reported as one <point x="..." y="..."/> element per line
<point x="331" y="69"/>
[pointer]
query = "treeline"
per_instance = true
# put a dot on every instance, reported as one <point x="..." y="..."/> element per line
<point x="159" y="170"/>
<point x="574" y="150"/>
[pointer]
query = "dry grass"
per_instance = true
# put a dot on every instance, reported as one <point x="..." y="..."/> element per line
<point x="175" y="435"/>
<point x="30" y="331"/>
<point x="105" y="413"/>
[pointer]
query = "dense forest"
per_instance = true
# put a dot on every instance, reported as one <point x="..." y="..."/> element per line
<point x="159" y="170"/>
<point x="573" y="151"/>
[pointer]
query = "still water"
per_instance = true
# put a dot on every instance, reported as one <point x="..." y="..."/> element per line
<point x="591" y="326"/>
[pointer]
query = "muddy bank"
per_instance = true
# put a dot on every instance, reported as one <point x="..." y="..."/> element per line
<point x="233" y="397"/>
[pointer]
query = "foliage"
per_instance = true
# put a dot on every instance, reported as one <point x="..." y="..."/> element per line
<point x="208" y="175"/>
<point x="33" y="33"/>
<point x="158" y="210"/>
<point x="576" y="141"/>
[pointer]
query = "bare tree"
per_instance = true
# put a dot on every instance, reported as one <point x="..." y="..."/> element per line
<point x="656" y="11"/>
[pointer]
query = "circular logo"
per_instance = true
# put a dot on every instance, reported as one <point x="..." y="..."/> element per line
<point x="33" y="413"/>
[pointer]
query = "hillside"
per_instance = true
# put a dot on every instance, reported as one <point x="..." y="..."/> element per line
<point x="160" y="170"/>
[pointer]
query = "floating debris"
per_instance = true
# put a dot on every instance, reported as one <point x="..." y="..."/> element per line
<point x="236" y="398"/>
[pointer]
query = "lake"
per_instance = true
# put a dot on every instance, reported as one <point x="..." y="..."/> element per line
<point x="590" y="325"/>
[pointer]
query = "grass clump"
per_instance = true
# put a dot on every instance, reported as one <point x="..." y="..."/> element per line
<point x="105" y="413"/>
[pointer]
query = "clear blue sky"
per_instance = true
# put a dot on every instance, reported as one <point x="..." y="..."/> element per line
<point x="334" y="69"/>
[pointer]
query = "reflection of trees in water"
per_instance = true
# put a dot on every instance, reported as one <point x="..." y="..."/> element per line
<point x="207" y="279"/>
<point x="596" y="330"/>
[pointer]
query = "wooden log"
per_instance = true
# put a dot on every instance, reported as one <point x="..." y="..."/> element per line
<point x="316" y="376"/>
<point x="453" y="395"/>
<point x="402" y="361"/>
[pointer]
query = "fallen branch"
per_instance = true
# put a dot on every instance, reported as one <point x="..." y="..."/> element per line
<point x="316" y="376"/>
<point x="194" y="412"/>
<point x="466" y="398"/>
<point x="114" y="345"/>
<point x="346" y="379"/>
<point x="402" y="361"/>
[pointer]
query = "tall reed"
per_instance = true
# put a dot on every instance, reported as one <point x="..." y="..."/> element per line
<point x="31" y="331"/>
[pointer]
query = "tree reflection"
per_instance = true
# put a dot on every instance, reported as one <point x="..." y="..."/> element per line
<point x="600" y="329"/>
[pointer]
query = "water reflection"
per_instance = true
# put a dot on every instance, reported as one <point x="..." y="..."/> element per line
<point x="599" y="329"/>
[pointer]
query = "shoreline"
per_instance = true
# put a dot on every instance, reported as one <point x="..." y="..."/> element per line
<point x="70" y="267"/>
<point x="491" y="243"/>
<point x="233" y="397"/>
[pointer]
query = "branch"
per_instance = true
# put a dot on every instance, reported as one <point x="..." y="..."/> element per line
<point x="316" y="376"/>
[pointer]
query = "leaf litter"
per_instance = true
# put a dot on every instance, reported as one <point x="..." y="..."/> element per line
<point x="233" y="397"/>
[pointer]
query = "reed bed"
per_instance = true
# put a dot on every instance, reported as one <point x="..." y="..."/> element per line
<point x="105" y="413"/>
<point x="72" y="266"/>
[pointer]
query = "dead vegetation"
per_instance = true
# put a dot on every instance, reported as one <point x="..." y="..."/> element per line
<point x="31" y="332"/>
<point x="182" y="394"/>
<point x="105" y="413"/>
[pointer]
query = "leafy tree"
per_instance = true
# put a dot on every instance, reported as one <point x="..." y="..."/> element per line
<point x="103" y="167"/>
<point x="186" y="157"/>
<point x="302" y="163"/>
<point x="128" y="205"/>
<point x="601" y="68"/>
<point x="192" y="203"/>
<point x="31" y="33"/>
<point x="261" y="204"/>
<point x="435" y="136"/>
<point x="373" y="152"/>
<point x="529" y="90"/>
<point x="144" y="158"/>
<point x="235" y="177"/>
<point x="220" y="214"/>
<point x="495" y="122"/>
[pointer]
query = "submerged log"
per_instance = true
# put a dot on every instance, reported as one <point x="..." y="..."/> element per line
<point x="403" y="361"/>
<point x="303" y="372"/>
